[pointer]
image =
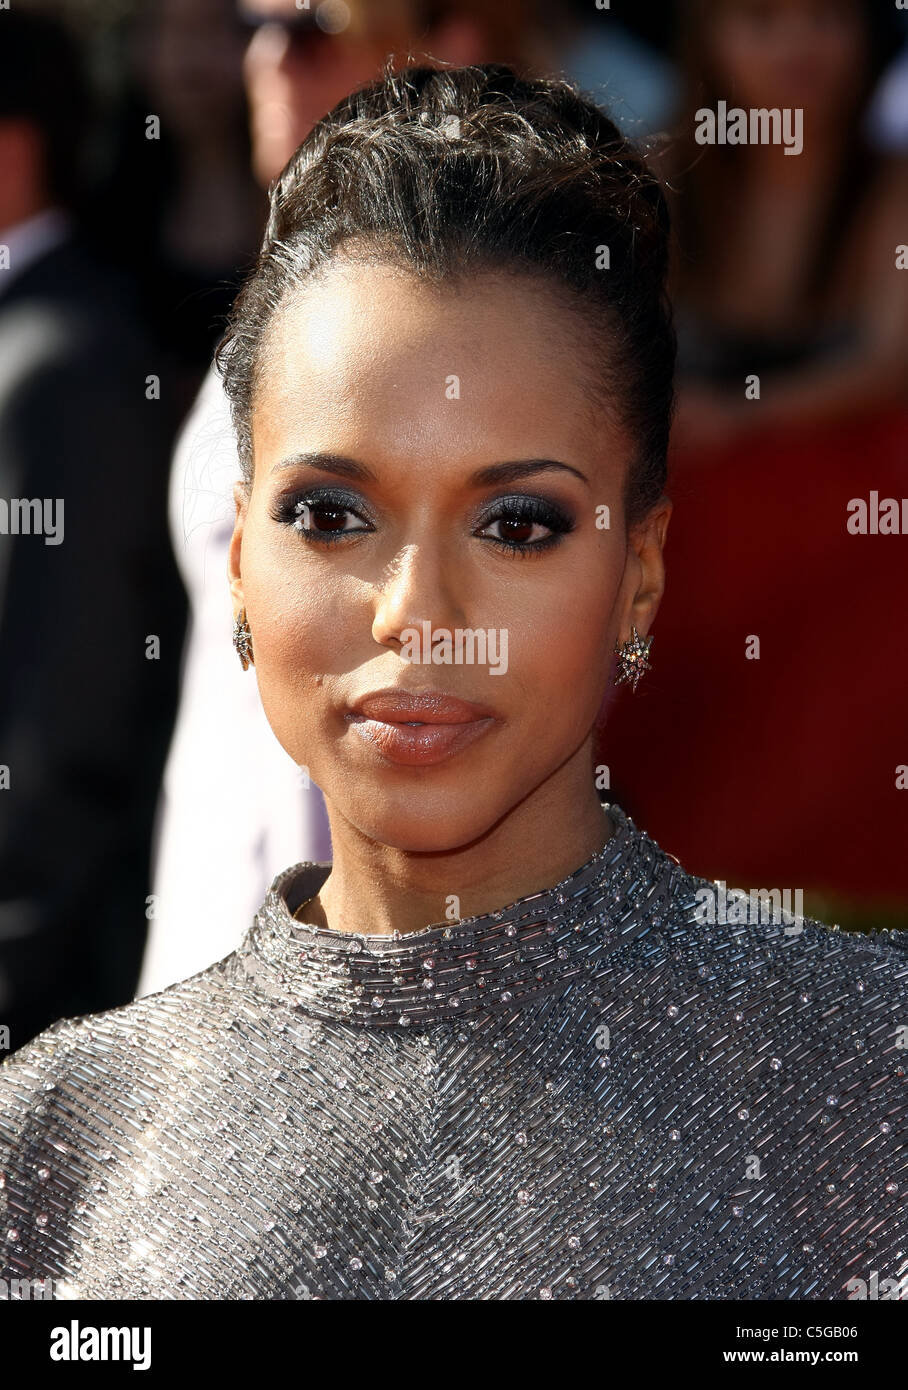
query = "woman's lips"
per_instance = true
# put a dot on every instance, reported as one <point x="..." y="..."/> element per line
<point x="418" y="727"/>
<point x="418" y="744"/>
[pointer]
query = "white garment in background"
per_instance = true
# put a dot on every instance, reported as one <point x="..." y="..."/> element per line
<point x="234" y="811"/>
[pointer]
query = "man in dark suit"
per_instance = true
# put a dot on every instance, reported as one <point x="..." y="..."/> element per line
<point x="91" y="608"/>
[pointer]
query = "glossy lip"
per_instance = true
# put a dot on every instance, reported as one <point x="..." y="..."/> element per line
<point x="417" y="728"/>
<point x="396" y="706"/>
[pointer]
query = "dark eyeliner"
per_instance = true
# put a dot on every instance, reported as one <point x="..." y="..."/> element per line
<point x="526" y="508"/>
<point x="519" y="508"/>
<point x="286" y="510"/>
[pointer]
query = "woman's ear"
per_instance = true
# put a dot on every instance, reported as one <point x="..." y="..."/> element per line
<point x="234" y="554"/>
<point x="646" y="541"/>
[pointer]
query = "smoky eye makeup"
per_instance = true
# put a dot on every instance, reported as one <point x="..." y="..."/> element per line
<point x="517" y="516"/>
<point x="323" y="513"/>
<point x="520" y="524"/>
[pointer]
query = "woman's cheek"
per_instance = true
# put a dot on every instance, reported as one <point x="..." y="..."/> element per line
<point x="291" y="621"/>
<point x="561" y="632"/>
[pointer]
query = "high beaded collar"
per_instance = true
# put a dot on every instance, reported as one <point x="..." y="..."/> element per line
<point x="447" y="970"/>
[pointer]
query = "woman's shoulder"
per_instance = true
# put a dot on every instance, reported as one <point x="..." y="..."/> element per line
<point x="722" y="929"/>
<point x="81" y="1056"/>
<point x="77" y="1099"/>
<point x="755" y="980"/>
<point x="767" y="928"/>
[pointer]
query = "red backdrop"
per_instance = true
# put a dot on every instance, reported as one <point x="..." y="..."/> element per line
<point x="779" y="771"/>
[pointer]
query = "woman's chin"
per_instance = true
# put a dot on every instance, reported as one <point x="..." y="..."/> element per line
<point x="422" y="826"/>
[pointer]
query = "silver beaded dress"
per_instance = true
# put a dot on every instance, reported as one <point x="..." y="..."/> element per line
<point x="596" y="1092"/>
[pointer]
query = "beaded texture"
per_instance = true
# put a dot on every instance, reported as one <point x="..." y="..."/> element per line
<point x="591" y="1094"/>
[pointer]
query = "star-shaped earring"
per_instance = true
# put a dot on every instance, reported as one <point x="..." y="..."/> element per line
<point x="632" y="656"/>
<point x="242" y="640"/>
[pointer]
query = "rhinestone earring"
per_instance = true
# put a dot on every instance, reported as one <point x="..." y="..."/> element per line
<point x="242" y="640"/>
<point x="632" y="656"/>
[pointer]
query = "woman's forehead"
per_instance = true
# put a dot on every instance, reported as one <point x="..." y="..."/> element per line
<point x="381" y="339"/>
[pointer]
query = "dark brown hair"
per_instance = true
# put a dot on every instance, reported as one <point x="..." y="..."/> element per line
<point x="477" y="168"/>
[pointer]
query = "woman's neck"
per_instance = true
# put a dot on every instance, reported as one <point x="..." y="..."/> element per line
<point x="377" y="889"/>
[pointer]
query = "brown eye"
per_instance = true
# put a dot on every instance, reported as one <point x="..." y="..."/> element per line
<point x="519" y="531"/>
<point x="323" y="518"/>
<point x="525" y="524"/>
<point x="326" y="519"/>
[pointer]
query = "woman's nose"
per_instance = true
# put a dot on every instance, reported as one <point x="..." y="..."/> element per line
<point x="417" y="589"/>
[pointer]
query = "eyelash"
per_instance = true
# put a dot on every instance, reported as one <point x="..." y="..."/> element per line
<point x="535" y="510"/>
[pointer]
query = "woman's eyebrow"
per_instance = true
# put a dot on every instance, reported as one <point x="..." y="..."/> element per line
<point x="328" y="463"/>
<point x="348" y="467"/>
<point x="523" y="468"/>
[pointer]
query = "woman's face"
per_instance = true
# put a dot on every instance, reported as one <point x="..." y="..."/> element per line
<point x="355" y="568"/>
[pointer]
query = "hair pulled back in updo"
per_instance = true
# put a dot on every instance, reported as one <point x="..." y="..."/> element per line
<point x="476" y="168"/>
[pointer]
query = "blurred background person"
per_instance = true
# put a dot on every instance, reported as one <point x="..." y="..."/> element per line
<point x="792" y="316"/>
<point x="792" y="277"/>
<point x="196" y="208"/>
<point x="89" y="622"/>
